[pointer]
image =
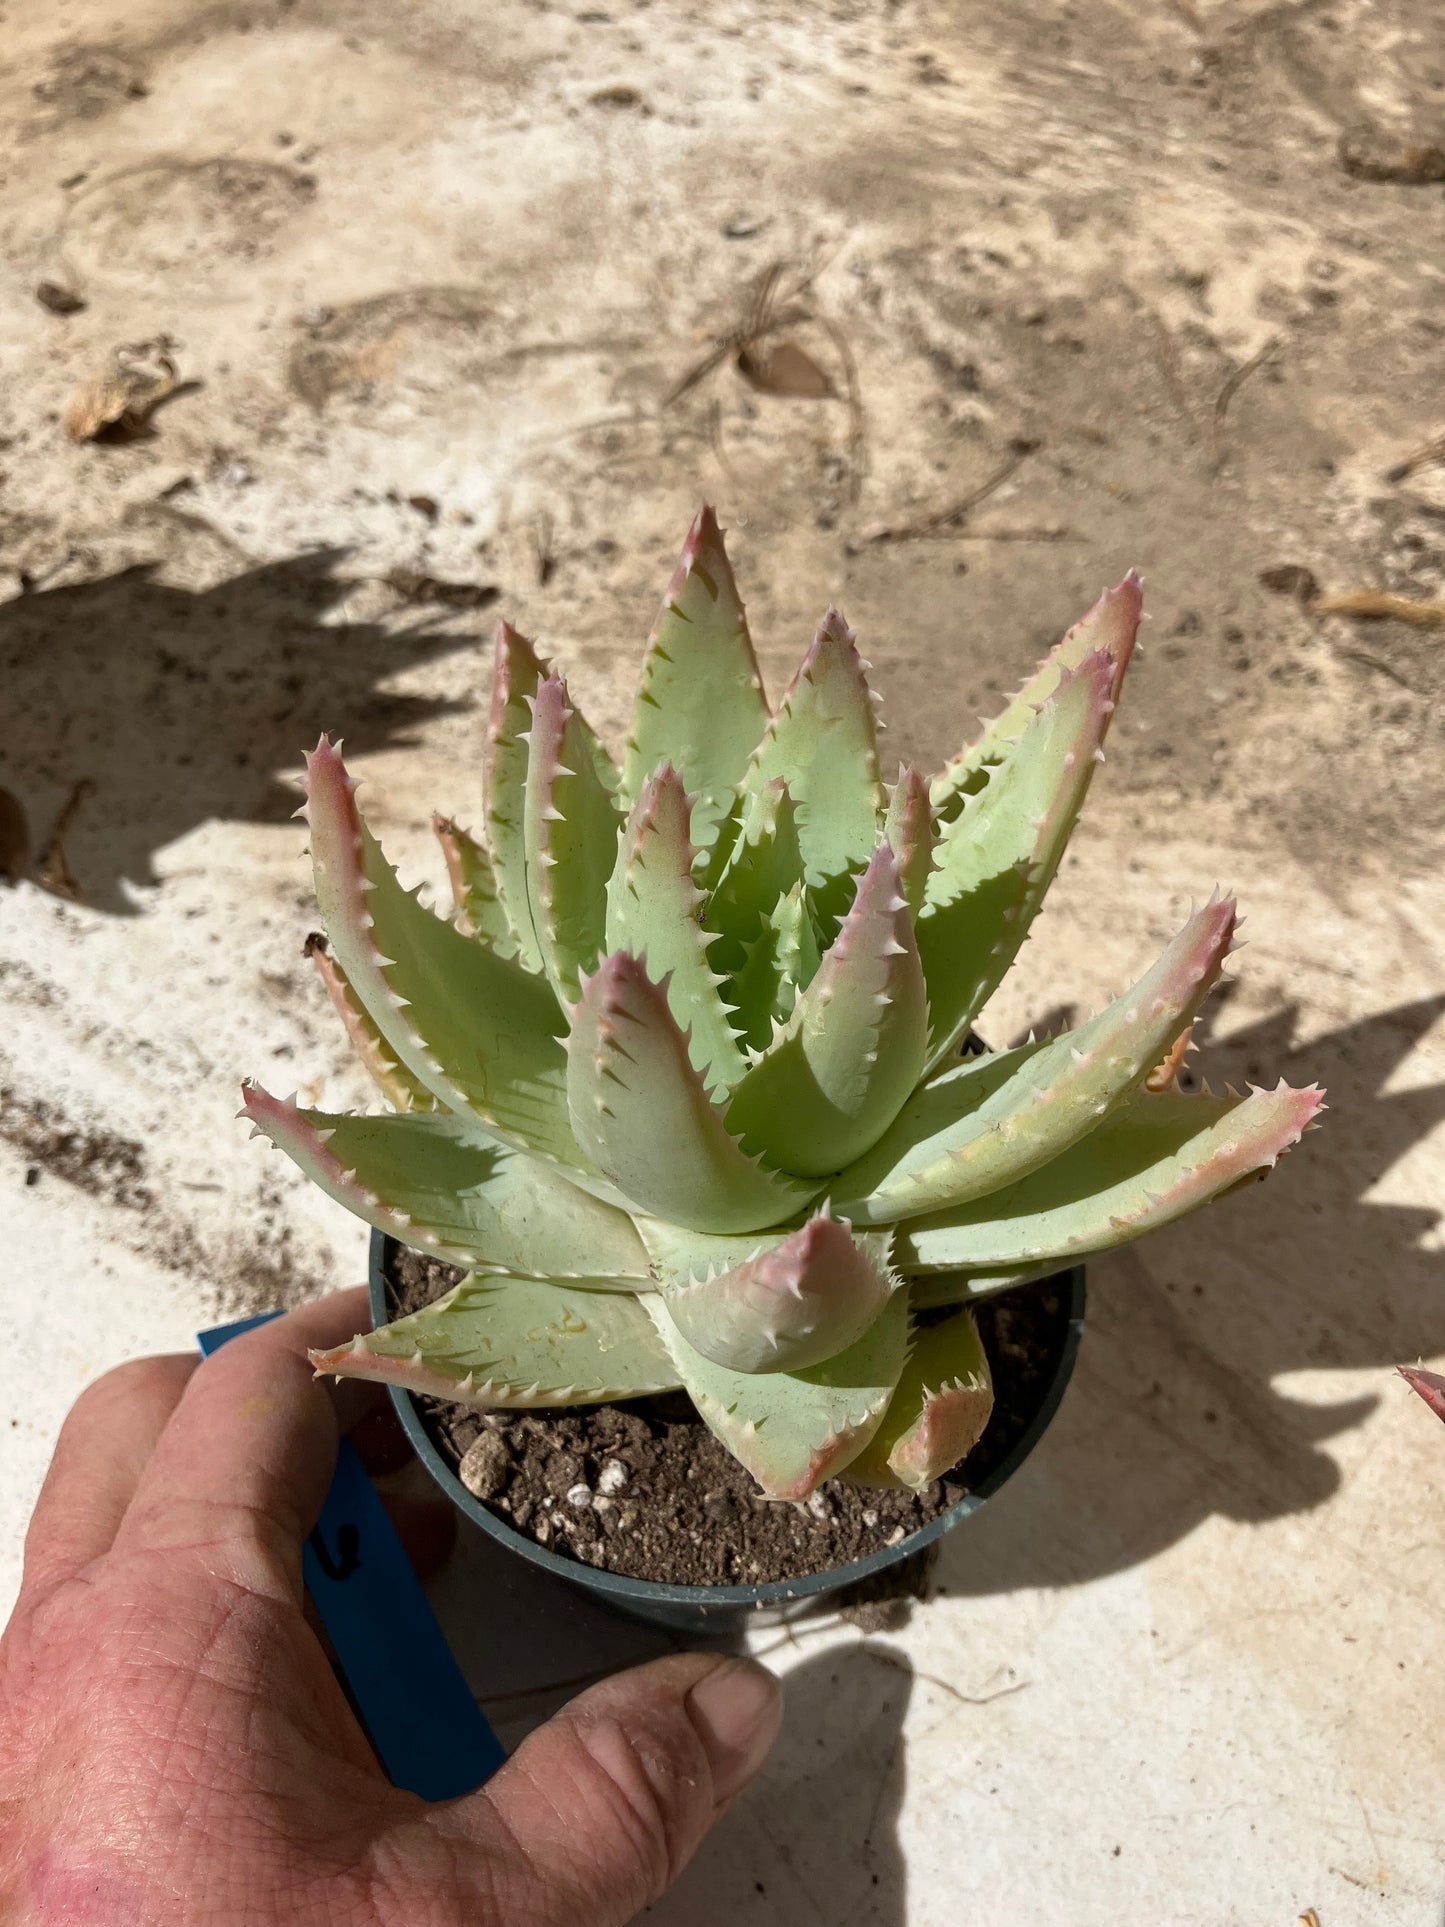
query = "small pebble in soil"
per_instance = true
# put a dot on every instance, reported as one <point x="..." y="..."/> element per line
<point x="612" y="1477"/>
<point x="485" y="1465"/>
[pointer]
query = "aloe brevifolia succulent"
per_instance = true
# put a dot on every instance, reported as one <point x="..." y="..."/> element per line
<point x="683" y="1082"/>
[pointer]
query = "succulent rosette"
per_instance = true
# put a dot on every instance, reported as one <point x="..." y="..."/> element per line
<point x="687" y="1082"/>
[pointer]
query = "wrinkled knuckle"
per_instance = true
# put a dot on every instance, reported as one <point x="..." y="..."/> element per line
<point x="650" y="1775"/>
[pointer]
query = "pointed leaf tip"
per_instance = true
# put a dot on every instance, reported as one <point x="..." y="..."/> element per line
<point x="1430" y="1386"/>
<point x="653" y="912"/>
<point x="852" y="1049"/>
<point x="1109" y="628"/>
<point x="808" y="1296"/>
<point x="700" y="702"/>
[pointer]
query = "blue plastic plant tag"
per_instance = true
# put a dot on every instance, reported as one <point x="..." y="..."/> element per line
<point x="427" y="1730"/>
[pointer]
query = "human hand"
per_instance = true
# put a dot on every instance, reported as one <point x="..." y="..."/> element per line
<point x="174" y="1746"/>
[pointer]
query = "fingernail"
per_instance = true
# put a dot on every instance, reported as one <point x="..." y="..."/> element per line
<point x="736" y="1711"/>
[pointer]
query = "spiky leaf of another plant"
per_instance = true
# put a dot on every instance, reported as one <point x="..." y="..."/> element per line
<point x="700" y="705"/>
<point x="640" y="1112"/>
<point x="514" y="1343"/>
<point x="435" y="1181"/>
<point x="994" y="1119"/>
<point x="1429" y="1386"/>
<point x="994" y="863"/>
<point x="810" y="1294"/>
<point x="852" y="1049"/>
<point x="938" y="1413"/>
<point x="792" y="1430"/>
<point x="1157" y="1157"/>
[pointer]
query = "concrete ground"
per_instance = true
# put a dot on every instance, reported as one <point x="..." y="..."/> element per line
<point x="430" y="276"/>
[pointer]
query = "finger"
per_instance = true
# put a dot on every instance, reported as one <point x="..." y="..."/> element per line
<point x="240" y="1472"/>
<point x="108" y="1435"/>
<point x="601" y="1808"/>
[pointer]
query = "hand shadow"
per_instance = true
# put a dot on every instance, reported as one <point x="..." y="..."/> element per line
<point x="1172" y="1416"/>
<point x="175" y="706"/>
<point x="815" y="1838"/>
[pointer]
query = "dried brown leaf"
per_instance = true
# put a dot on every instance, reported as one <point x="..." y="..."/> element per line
<point x="118" y="402"/>
<point x="1378" y="605"/>
<point x="785" y="369"/>
<point x="1372" y="154"/>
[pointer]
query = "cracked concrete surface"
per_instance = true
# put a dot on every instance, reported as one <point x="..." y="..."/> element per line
<point x="434" y="272"/>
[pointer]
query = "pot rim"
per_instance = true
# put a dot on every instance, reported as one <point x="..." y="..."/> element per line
<point x="645" y="1593"/>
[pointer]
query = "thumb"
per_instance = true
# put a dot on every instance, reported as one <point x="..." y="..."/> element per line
<point x="600" y="1810"/>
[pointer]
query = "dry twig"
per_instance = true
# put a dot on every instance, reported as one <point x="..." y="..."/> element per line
<point x="1425" y="456"/>
<point x="956" y="511"/>
<point x="52" y="865"/>
<point x="1228" y="392"/>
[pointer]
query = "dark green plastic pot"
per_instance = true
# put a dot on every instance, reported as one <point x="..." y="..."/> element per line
<point x="719" y="1609"/>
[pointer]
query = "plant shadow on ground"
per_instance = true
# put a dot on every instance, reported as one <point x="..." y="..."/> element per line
<point x="1172" y="1416"/>
<point x="174" y="707"/>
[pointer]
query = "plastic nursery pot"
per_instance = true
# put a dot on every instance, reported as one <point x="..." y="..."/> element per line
<point x="719" y="1609"/>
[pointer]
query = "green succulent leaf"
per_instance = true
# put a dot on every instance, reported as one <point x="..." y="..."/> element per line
<point x="700" y="706"/>
<point x="993" y="1119"/>
<point x="391" y="1077"/>
<point x="804" y="1296"/>
<point x="911" y="834"/>
<point x="1155" y="1158"/>
<point x="571" y="827"/>
<point x="938" y="1413"/>
<point x="823" y="743"/>
<point x="508" y="1343"/>
<point x="653" y="911"/>
<point x="937" y="1289"/>
<point x="853" y="1048"/>
<point x="478" y="907"/>
<point x="994" y="863"/>
<point x="782" y="961"/>
<point x="792" y="1430"/>
<point x="443" y="1185"/>
<point x="516" y="673"/>
<point x="477" y="1030"/>
<point x="764" y="864"/>
<point x="641" y="1113"/>
<point x="1111" y="625"/>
